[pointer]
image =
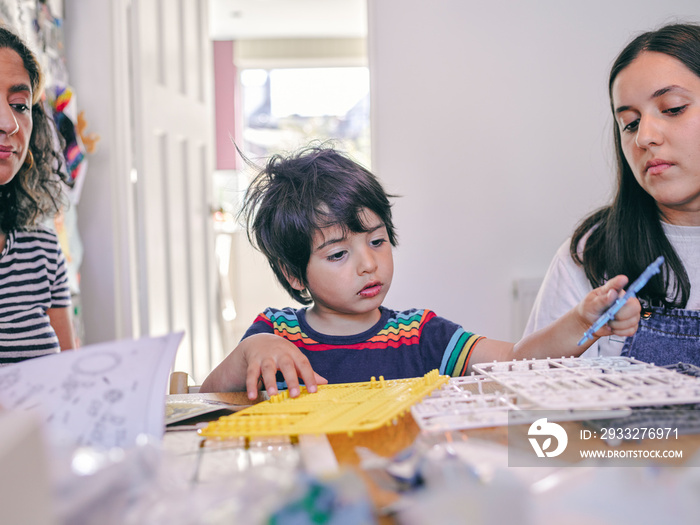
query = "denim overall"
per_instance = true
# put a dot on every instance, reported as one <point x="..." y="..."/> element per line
<point x="665" y="337"/>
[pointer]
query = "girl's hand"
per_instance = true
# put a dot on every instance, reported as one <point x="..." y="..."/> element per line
<point x="596" y="302"/>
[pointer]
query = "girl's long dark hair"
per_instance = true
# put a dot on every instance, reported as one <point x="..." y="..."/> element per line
<point x="36" y="190"/>
<point x="627" y="236"/>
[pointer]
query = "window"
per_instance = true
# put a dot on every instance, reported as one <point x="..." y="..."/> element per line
<point x="284" y="109"/>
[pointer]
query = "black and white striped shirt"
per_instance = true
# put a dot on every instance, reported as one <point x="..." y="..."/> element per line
<point x="32" y="279"/>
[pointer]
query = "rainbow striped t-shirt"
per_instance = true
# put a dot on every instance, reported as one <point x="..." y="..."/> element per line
<point x="401" y="345"/>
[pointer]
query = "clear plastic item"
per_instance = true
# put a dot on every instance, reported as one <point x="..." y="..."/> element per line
<point x="147" y="485"/>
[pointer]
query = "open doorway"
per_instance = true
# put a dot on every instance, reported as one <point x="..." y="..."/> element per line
<point x="297" y="73"/>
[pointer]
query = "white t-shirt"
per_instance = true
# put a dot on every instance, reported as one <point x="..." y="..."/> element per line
<point x="565" y="285"/>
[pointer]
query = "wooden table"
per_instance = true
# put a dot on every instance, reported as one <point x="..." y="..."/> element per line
<point x="388" y="441"/>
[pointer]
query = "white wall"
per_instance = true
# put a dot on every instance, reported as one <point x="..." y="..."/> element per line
<point x="89" y="45"/>
<point x="491" y="120"/>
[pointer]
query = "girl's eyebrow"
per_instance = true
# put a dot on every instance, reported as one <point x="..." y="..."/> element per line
<point x="341" y="239"/>
<point x="655" y="94"/>
<point x="666" y="89"/>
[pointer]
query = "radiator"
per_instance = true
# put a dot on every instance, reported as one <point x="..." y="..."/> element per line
<point x="524" y="294"/>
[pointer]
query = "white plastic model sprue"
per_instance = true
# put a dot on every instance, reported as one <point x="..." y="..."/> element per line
<point x="580" y="388"/>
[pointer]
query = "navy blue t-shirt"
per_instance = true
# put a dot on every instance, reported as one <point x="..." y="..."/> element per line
<point x="401" y="345"/>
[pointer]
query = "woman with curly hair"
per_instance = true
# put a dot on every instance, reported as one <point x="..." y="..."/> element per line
<point x="35" y="302"/>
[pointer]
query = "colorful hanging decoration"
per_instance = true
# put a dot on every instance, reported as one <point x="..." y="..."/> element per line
<point x="62" y="100"/>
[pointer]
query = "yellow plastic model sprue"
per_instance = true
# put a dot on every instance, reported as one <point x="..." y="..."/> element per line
<point x="339" y="408"/>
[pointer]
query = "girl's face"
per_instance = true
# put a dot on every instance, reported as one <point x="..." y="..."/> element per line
<point x="656" y="100"/>
<point x="15" y="114"/>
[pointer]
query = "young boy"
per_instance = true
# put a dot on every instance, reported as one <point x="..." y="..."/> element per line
<point x="324" y="224"/>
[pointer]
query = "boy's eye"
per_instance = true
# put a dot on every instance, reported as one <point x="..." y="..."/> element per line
<point x="337" y="256"/>
<point x="377" y="242"/>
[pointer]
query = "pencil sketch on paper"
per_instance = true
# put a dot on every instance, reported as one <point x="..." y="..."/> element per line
<point x="102" y="395"/>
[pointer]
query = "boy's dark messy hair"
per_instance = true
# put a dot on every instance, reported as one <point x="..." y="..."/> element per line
<point x="296" y="195"/>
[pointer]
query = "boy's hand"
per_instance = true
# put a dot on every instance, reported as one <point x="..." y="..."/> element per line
<point x="596" y="302"/>
<point x="271" y="353"/>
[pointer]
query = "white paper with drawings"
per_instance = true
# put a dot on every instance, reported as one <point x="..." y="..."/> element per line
<point x="101" y="395"/>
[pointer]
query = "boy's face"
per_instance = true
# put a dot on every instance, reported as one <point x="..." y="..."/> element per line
<point x="350" y="274"/>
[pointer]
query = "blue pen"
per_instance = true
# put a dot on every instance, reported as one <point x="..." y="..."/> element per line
<point x="637" y="285"/>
